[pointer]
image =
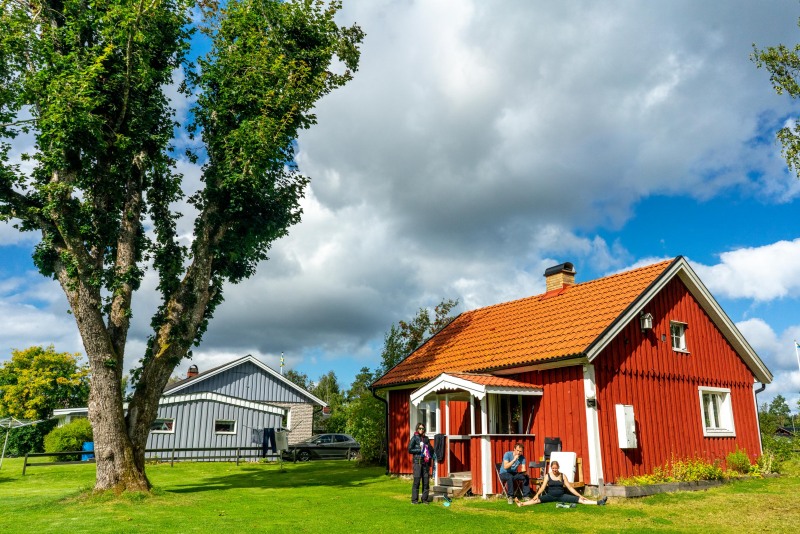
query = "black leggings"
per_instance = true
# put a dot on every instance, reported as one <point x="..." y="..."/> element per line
<point x="544" y="497"/>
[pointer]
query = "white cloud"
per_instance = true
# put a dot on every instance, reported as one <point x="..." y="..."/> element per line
<point x="479" y="144"/>
<point x="760" y="273"/>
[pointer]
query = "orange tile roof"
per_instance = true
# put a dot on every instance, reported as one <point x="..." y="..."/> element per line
<point x="532" y="330"/>
<point x="491" y="380"/>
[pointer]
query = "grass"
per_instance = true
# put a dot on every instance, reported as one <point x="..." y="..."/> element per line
<point x="342" y="497"/>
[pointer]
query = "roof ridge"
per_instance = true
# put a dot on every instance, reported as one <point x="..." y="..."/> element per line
<point x="586" y="283"/>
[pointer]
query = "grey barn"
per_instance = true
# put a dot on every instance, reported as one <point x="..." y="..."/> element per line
<point x="226" y="407"/>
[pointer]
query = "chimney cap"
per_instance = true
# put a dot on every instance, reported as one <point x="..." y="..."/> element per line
<point x="192" y="371"/>
<point x="565" y="267"/>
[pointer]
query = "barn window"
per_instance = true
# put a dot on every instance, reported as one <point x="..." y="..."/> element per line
<point x="223" y="426"/>
<point x="678" y="333"/>
<point x="716" y="412"/>
<point x="163" y="426"/>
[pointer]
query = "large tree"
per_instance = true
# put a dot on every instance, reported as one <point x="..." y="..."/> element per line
<point x="88" y="80"/>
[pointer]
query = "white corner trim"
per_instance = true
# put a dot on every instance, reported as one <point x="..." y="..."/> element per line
<point x="592" y="426"/>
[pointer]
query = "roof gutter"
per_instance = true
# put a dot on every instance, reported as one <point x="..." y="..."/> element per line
<point x="385" y="424"/>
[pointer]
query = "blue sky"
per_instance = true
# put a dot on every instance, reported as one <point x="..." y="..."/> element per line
<point x="482" y="142"/>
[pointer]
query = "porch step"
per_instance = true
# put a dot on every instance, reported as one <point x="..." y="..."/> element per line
<point x="456" y="485"/>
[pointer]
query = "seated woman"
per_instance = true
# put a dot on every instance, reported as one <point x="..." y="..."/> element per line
<point x="557" y="486"/>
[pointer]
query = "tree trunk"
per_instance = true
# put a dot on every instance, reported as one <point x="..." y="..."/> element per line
<point x="117" y="468"/>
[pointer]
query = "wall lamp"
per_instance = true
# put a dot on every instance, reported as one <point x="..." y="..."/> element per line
<point x="646" y="321"/>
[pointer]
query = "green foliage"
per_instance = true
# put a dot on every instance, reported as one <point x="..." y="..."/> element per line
<point x="779" y="409"/>
<point x="37" y="380"/>
<point x="738" y="461"/>
<point x="327" y="389"/>
<point x="87" y="81"/>
<point x="402" y="339"/>
<point x="678" y="470"/>
<point x="26" y="439"/>
<point x="366" y="418"/>
<point x="783" y="65"/>
<point x="781" y="448"/>
<point x="297" y="378"/>
<point x="69" y="437"/>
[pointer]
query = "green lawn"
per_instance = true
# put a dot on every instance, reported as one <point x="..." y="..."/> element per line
<point x="339" y="497"/>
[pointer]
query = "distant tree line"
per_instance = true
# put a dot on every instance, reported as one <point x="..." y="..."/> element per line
<point x="356" y="411"/>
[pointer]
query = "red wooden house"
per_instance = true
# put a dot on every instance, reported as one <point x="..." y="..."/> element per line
<point x="630" y="371"/>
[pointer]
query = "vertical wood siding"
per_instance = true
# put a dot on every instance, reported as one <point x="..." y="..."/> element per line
<point x="194" y="426"/>
<point x="246" y="381"/>
<point x="559" y="412"/>
<point x="459" y="418"/>
<point x="399" y="431"/>
<point x="662" y="386"/>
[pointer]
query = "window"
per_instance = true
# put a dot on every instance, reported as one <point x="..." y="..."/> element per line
<point x="222" y="426"/>
<point x="678" y="332"/>
<point x="424" y="414"/>
<point x="325" y="439"/>
<point x="716" y="412"/>
<point x="163" y="426"/>
<point x="505" y="414"/>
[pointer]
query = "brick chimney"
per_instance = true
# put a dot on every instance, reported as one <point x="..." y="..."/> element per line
<point x="192" y="371"/>
<point x="560" y="276"/>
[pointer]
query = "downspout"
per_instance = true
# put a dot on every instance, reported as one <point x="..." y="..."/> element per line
<point x="386" y="425"/>
<point x="758" y="422"/>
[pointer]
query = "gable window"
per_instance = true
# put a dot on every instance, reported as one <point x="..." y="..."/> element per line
<point x="424" y="414"/>
<point x="163" y="426"/>
<point x="716" y="412"/>
<point x="224" y="426"/>
<point x="678" y="332"/>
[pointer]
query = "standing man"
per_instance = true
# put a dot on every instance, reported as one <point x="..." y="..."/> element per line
<point x="420" y="449"/>
<point x="513" y="468"/>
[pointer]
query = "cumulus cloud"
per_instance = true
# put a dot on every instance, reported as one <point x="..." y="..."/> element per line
<point x="777" y="350"/>
<point x="479" y="144"/>
<point x="759" y="273"/>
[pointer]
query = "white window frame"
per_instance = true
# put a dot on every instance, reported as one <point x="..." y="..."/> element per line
<point x="171" y="426"/>
<point x="719" y="422"/>
<point x="680" y="339"/>
<point x="431" y="410"/>
<point x="224" y="421"/>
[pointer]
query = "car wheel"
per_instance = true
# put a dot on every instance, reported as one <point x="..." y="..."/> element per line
<point x="352" y="455"/>
<point x="303" y="456"/>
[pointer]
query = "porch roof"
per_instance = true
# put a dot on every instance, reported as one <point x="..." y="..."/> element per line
<point x="477" y="385"/>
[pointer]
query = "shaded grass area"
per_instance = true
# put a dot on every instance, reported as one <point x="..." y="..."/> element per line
<point x="342" y="497"/>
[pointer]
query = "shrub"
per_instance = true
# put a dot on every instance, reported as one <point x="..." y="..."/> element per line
<point x="738" y="461"/>
<point x="68" y="438"/>
<point x="694" y="469"/>
<point x="26" y="439"/>
<point x="780" y="447"/>
<point x="682" y="470"/>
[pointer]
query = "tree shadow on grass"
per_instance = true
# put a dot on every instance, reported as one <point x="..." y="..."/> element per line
<point x="268" y="476"/>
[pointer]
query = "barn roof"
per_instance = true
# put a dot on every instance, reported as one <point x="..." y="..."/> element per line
<point x="575" y="321"/>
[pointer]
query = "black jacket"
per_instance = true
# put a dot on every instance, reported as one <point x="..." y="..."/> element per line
<point x="415" y="445"/>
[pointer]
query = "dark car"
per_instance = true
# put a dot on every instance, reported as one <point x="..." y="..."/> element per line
<point x="324" y="447"/>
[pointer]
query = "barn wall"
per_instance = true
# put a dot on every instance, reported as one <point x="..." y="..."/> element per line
<point x="662" y="385"/>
